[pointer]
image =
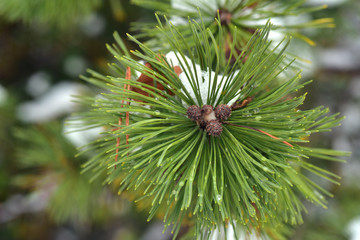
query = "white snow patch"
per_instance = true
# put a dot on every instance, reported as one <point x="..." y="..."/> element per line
<point x="241" y="233"/>
<point x="202" y="78"/>
<point x="80" y="138"/>
<point x="191" y="6"/>
<point x="55" y="103"/>
<point x="354" y="229"/>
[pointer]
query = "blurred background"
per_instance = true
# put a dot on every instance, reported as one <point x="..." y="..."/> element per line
<point x="43" y="50"/>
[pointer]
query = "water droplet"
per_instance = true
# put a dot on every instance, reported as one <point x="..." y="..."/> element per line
<point x="257" y="118"/>
<point x="256" y="110"/>
<point x="157" y="112"/>
<point x="218" y="197"/>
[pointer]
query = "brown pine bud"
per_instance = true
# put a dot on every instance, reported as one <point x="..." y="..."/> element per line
<point x="214" y="128"/>
<point x="194" y="112"/>
<point x="207" y="109"/>
<point x="208" y="113"/>
<point x="222" y="112"/>
<point x="202" y="123"/>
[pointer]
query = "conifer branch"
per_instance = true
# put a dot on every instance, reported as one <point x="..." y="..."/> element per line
<point x="250" y="173"/>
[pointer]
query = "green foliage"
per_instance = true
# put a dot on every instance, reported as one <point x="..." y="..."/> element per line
<point x="59" y="13"/>
<point x="48" y="168"/>
<point x="247" y="16"/>
<point x="7" y="119"/>
<point x="254" y="174"/>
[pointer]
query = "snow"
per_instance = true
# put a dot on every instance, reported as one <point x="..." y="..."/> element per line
<point x="203" y="4"/>
<point x="79" y="138"/>
<point x="55" y="103"/>
<point x="242" y="234"/>
<point x="203" y="78"/>
<point x="354" y="229"/>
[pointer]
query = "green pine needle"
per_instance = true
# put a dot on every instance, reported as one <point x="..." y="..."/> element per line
<point x="247" y="16"/>
<point x="50" y="171"/>
<point x="252" y="174"/>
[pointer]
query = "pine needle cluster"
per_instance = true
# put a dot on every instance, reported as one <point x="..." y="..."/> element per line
<point x="254" y="174"/>
<point x="50" y="172"/>
<point x="247" y="16"/>
<point x="58" y="13"/>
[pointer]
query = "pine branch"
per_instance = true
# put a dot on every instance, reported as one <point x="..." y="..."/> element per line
<point x="250" y="173"/>
<point x="48" y="168"/>
<point x="247" y="16"/>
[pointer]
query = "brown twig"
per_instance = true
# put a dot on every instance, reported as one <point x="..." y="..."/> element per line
<point x="126" y="86"/>
<point x="261" y="131"/>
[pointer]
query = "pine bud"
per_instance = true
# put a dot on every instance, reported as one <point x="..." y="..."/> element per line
<point x="202" y="123"/>
<point x="223" y="112"/>
<point x="207" y="109"/>
<point x="194" y="112"/>
<point x="214" y="128"/>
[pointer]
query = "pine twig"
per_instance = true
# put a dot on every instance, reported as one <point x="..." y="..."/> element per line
<point x="127" y="77"/>
<point x="266" y="133"/>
